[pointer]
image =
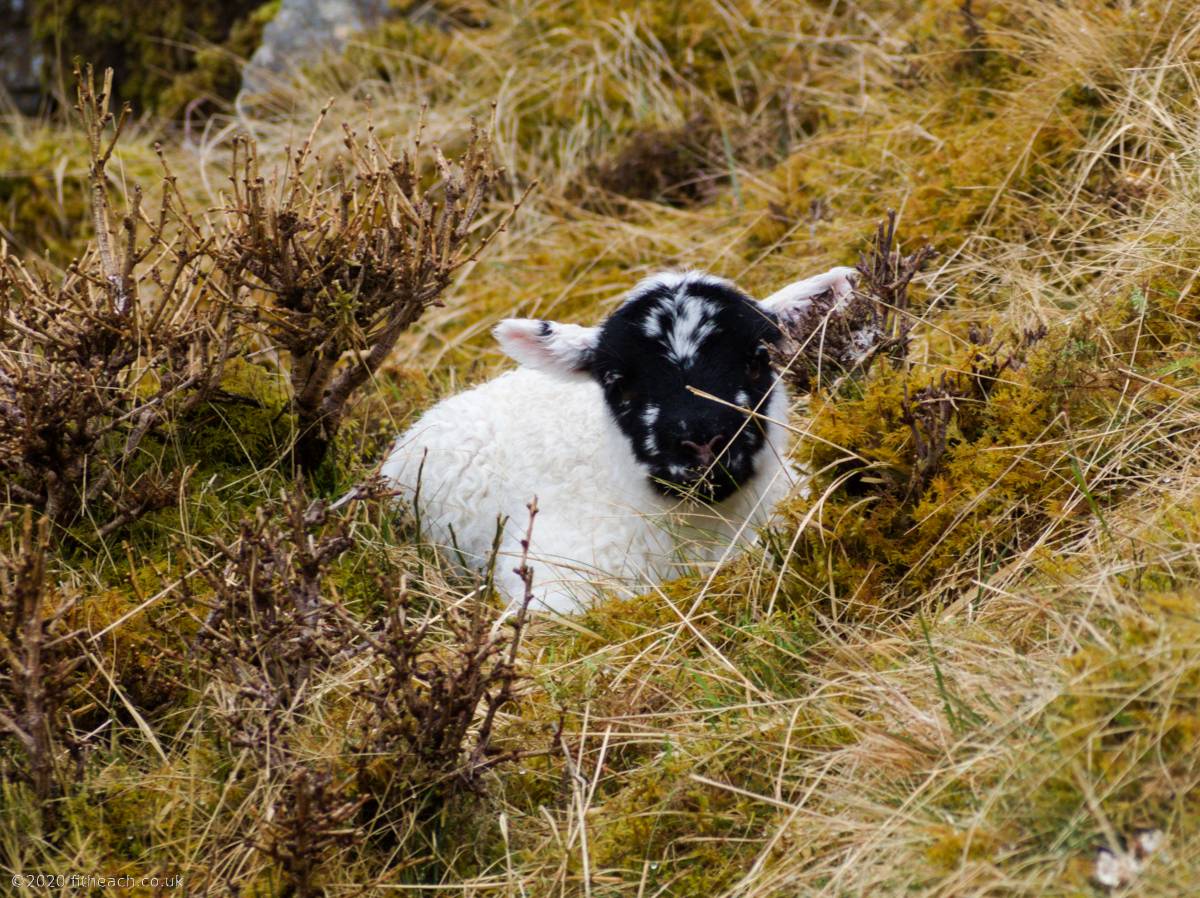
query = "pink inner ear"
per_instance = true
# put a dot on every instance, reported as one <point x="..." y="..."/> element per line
<point x="524" y="339"/>
<point x="521" y="334"/>
<point x="547" y="345"/>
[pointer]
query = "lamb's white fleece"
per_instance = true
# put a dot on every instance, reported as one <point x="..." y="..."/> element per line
<point x="486" y="452"/>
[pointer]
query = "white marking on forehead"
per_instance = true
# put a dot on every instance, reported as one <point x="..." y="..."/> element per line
<point x="741" y="398"/>
<point x="652" y="326"/>
<point x="650" y="444"/>
<point x="693" y="322"/>
<point x="650" y="415"/>
<point x="680" y="321"/>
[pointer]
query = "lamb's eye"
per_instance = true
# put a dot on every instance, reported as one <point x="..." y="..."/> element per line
<point x="619" y="388"/>
<point x="759" y="366"/>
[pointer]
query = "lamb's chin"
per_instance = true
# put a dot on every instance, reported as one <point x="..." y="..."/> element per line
<point x="710" y="490"/>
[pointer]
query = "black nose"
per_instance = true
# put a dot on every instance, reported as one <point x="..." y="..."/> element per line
<point x="706" y="453"/>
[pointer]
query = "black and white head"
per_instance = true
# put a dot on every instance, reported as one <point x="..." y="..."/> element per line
<point x="684" y="365"/>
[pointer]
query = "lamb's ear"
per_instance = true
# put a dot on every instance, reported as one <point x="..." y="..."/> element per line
<point x="547" y="345"/>
<point x="794" y="298"/>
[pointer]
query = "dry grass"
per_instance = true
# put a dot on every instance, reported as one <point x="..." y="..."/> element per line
<point x="1030" y="693"/>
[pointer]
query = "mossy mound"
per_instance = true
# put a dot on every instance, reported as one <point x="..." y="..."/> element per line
<point x="165" y="56"/>
<point x="934" y="474"/>
<point x="43" y="194"/>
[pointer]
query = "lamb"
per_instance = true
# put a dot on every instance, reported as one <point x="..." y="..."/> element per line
<point x="652" y="441"/>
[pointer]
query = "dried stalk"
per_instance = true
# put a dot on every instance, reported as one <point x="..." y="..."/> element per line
<point x="38" y="663"/>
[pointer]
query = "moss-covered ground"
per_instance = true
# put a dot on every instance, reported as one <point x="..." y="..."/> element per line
<point x="950" y="679"/>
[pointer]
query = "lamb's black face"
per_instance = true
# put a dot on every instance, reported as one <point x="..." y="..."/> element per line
<point x="675" y="336"/>
<point x="679" y="332"/>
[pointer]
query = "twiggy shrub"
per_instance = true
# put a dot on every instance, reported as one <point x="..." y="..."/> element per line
<point x="96" y="363"/>
<point x="428" y="707"/>
<point x="431" y="705"/>
<point x="934" y="473"/>
<point x="938" y="475"/>
<point x="269" y="628"/>
<point x="39" y="658"/>
<point x="95" y="360"/>
<point x="833" y="340"/>
<point x="270" y="631"/>
<point x="313" y="817"/>
<point x="351" y="263"/>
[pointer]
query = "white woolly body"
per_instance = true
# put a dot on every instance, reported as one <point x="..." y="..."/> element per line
<point x="485" y="453"/>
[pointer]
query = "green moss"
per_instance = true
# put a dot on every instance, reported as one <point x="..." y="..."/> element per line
<point x="141" y="648"/>
<point x="679" y="835"/>
<point x="246" y="425"/>
<point x="888" y="521"/>
<point x="43" y="193"/>
<point x="214" y="74"/>
<point x="1130" y="713"/>
<point x="151" y="46"/>
<point x="1118" y="742"/>
<point x="952" y="847"/>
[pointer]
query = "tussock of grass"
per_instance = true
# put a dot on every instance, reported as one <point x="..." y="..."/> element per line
<point x="949" y="673"/>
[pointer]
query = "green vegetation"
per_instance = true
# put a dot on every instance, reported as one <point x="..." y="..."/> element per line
<point x="964" y="658"/>
<point x="166" y="56"/>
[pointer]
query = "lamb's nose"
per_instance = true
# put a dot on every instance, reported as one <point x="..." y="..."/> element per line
<point x="706" y="453"/>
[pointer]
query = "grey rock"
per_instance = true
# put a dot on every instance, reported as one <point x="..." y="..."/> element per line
<point x="20" y="60"/>
<point x="300" y="32"/>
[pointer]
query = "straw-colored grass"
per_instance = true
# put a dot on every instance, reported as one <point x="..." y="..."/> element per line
<point x="959" y="692"/>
